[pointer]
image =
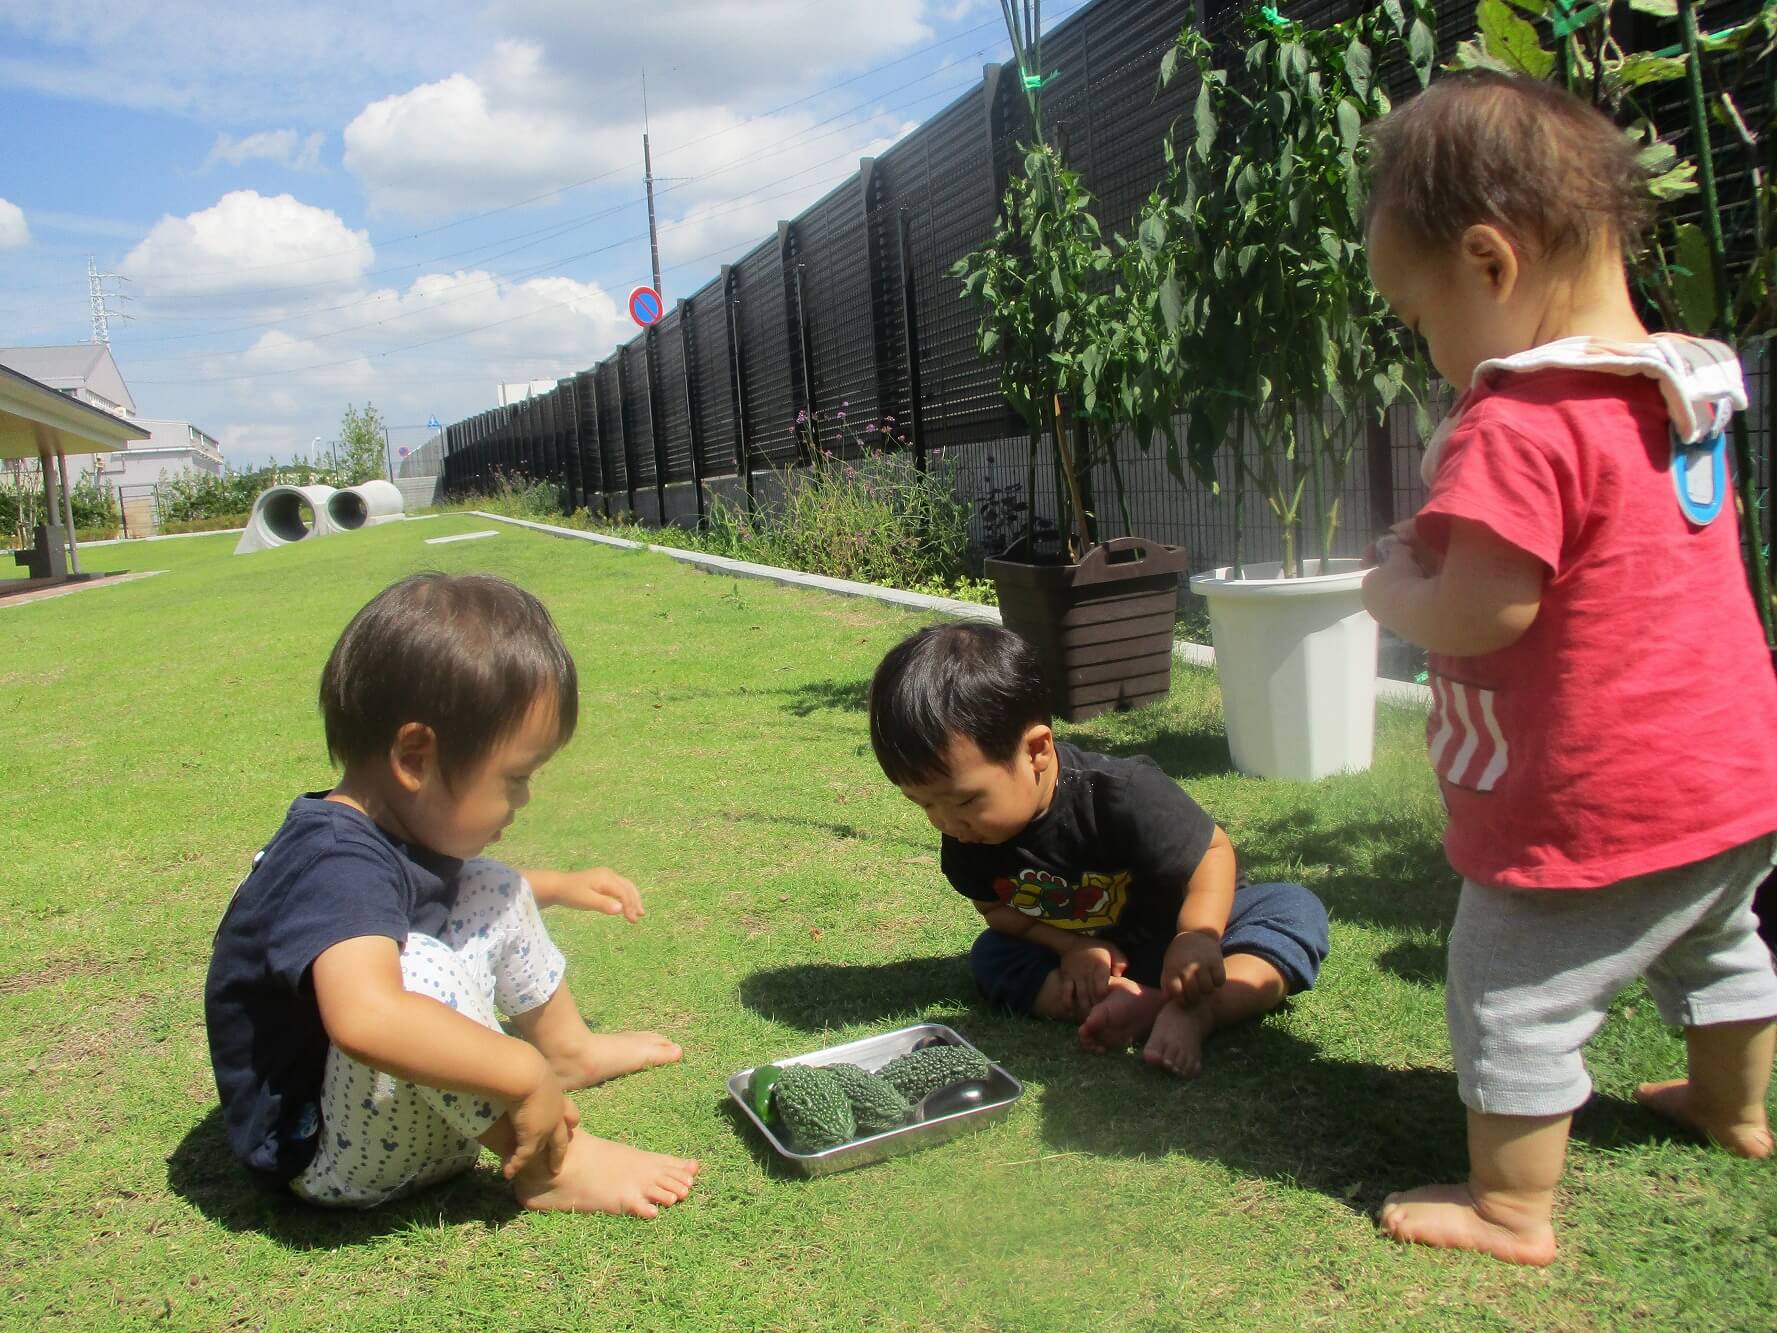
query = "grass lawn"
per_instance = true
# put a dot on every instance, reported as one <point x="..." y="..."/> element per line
<point x="151" y="735"/>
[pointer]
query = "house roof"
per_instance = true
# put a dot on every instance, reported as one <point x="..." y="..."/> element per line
<point x="50" y="364"/>
<point x="36" y="418"/>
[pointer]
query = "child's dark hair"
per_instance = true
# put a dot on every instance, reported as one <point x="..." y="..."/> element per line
<point x="465" y="654"/>
<point x="978" y="681"/>
<point x="1512" y="152"/>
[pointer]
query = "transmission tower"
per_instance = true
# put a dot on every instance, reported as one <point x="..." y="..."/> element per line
<point x="97" y="297"/>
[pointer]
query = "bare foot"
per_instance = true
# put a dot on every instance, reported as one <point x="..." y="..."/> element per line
<point x="1677" y="1101"/>
<point x="600" y="1176"/>
<point x="605" y="1055"/>
<point x="1176" y="1043"/>
<point x="1448" y="1217"/>
<point x="1122" y="1017"/>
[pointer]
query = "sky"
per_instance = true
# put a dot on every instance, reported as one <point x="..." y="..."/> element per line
<point x="312" y="205"/>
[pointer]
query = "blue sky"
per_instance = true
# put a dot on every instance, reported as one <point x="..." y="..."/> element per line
<point x="309" y="206"/>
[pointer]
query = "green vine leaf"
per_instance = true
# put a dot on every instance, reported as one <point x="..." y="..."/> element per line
<point x="1510" y="39"/>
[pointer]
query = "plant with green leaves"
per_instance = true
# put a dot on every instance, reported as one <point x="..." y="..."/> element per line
<point x="1710" y="267"/>
<point x="1056" y="318"/>
<point x="1262" y="281"/>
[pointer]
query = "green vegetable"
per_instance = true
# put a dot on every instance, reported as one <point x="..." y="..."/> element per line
<point x="760" y="1089"/>
<point x="812" y="1106"/>
<point x="875" y="1104"/>
<point x="918" y="1072"/>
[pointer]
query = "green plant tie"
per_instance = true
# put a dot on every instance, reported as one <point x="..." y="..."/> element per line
<point x="1036" y="81"/>
<point x="1271" y="16"/>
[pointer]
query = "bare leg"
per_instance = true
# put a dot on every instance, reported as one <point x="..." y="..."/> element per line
<point x="598" y="1176"/>
<point x="1724" y="1097"/>
<point x="1253" y="987"/>
<point x="1505" y="1207"/>
<point x="581" y="1057"/>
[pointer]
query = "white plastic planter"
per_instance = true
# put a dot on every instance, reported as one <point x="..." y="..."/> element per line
<point x="1297" y="660"/>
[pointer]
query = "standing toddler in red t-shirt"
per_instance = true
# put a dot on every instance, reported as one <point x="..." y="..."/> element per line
<point x="1604" y="725"/>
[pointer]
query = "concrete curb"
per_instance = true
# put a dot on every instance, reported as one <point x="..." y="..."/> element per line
<point x="1402" y="692"/>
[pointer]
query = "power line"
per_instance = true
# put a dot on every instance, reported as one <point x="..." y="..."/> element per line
<point x="731" y="204"/>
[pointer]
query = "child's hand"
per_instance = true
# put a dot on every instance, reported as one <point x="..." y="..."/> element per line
<point x="542" y="1124"/>
<point x="1193" y="968"/>
<point x="1086" y="972"/>
<point x="600" y="889"/>
<point x="1402" y="538"/>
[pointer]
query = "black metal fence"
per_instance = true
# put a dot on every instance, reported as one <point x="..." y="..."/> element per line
<point x="851" y="309"/>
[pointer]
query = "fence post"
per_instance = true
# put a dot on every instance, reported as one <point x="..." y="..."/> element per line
<point x="881" y="338"/>
<point x="916" y="422"/>
<point x="650" y="368"/>
<point x="743" y="453"/>
<point x="1379" y="455"/>
<point x="598" y="436"/>
<point x="567" y="424"/>
<point x="625" y="425"/>
<point x="786" y="248"/>
<point x="693" y="425"/>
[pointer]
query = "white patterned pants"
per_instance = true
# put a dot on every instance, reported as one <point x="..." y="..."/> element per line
<point x="381" y="1137"/>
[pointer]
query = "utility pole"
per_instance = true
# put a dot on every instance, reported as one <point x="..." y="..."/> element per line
<point x="648" y="174"/>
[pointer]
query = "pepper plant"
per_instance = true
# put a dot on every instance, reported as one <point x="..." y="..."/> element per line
<point x="1263" y="288"/>
<point x="1068" y="315"/>
<point x="1710" y="267"/>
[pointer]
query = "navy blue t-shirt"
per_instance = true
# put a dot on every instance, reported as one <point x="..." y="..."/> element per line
<point x="1110" y="856"/>
<point x="329" y="874"/>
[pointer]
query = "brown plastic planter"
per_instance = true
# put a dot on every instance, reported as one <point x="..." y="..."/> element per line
<point x="1103" y="627"/>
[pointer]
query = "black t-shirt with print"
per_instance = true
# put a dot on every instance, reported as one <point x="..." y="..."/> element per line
<point x="1110" y="856"/>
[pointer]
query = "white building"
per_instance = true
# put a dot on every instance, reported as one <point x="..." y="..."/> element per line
<point x="172" y="448"/>
<point x="87" y="372"/>
<point x="84" y="371"/>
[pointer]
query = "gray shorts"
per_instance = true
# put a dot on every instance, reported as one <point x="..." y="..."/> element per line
<point x="1533" y="971"/>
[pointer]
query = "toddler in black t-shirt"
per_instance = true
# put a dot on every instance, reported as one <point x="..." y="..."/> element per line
<point x="355" y="987"/>
<point x="1111" y="899"/>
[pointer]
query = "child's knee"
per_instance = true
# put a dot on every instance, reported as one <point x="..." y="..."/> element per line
<point x="1285" y="925"/>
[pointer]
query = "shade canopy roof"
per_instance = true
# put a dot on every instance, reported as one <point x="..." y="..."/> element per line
<point x="36" y="419"/>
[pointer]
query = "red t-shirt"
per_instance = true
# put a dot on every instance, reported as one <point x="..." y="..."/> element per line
<point x="1634" y="726"/>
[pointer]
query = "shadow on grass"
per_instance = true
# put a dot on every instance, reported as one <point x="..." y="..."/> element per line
<point x="1182" y="755"/>
<point x="839" y="830"/>
<point x="1270" y="1105"/>
<point x="817" y="996"/>
<point x="822" y="696"/>
<point x="203" y="1171"/>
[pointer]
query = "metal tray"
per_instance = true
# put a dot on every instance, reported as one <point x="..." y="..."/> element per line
<point x="872" y="1053"/>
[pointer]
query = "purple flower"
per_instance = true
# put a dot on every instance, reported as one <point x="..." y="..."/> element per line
<point x="840" y="415"/>
<point x="887" y="420"/>
<point x="845" y="402"/>
<point x="870" y="429"/>
<point x="802" y="417"/>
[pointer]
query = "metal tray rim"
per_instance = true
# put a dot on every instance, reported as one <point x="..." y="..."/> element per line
<point x="737" y="1084"/>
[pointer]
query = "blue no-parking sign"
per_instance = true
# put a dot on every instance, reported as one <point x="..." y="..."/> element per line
<point x="645" y="306"/>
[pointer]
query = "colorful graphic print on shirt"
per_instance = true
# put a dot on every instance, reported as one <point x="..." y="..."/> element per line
<point x="1095" y="902"/>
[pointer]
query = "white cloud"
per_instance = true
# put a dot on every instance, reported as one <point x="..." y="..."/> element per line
<point x="216" y="62"/>
<point x="13" y="232"/>
<point x="285" y="147"/>
<point x="245" y="243"/>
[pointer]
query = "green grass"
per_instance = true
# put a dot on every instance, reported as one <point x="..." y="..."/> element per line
<point x="152" y="733"/>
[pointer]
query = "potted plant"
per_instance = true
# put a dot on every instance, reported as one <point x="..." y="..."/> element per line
<point x="1285" y="350"/>
<point x="1100" y="614"/>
